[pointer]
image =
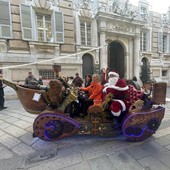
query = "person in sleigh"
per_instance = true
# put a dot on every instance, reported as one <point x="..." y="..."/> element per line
<point x="119" y="104"/>
<point x="94" y="94"/>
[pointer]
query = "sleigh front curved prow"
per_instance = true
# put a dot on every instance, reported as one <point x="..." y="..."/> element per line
<point x="32" y="100"/>
<point x="139" y="126"/>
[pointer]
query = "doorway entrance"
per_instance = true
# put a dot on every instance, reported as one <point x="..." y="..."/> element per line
<point x="88" y="65"/>
<point x="116" y="58"/>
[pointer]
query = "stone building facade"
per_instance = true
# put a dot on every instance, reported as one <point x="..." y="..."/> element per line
<point x="83" y="36"/>
<point x="34" y="36"/>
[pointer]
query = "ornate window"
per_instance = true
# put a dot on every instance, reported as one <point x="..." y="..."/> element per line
<point x="42" y="25"/>
<point x="143" y="10"/>
<point x="85" y="33"/>
<point x="143" y="41"/>
<point x="5" y="20"/>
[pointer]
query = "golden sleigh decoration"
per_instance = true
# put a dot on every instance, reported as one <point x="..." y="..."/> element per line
<point x="53" y="123"/>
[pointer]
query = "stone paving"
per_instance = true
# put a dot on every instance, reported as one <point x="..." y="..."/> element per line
<point x="19" y="150"/>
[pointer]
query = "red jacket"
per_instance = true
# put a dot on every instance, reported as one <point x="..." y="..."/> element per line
<point x="95" y="92"/>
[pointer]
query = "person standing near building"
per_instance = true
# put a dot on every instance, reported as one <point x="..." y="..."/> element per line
<point x="40" y="81"/>
<point x="30" y="78"/>
<point x="77" y="81"/>
<point x="2" y="100"/>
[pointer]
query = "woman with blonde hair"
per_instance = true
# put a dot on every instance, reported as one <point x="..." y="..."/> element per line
<point x="95" y="93"/>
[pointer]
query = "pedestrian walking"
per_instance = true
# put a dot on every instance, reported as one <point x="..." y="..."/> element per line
<point x="2" y="100"/>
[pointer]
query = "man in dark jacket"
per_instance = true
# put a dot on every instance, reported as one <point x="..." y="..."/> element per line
<point x="30" y="79"/>
<point x="77" y="81"/>
<point x="2" y="100"/>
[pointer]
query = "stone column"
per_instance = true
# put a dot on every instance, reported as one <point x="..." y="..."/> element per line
<point x="136" y="59"/>
<point x="33" y="52"/>
<point x="57" y="50"/>
<point x="78" y="36"/>
<point x="130" y="59"/>
<point x="103" y="53"/>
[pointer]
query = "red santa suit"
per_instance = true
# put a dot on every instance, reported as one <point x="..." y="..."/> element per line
<point x="119" y="89"/>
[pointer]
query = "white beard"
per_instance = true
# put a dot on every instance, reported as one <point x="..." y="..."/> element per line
<point x="112" y="81"/>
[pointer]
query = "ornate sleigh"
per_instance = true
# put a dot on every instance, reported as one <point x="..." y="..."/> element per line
<point x="53" y="122"/>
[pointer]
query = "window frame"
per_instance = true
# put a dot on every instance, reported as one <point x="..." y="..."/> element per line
<point x="86" y="33"/>
<point x="143" y="10"/>
<point x="143" y="47"/>
<point x="47" y="74"/>
<point x="44" y="26"/>
<point x="145" y="39"/>
<point x="34" y="30"/>
<point x="10" y="21"/>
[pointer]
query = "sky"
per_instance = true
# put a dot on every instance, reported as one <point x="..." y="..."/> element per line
<point x="160" y="6"/>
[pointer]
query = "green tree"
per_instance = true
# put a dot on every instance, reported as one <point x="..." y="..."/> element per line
<point x="145" y="74"/>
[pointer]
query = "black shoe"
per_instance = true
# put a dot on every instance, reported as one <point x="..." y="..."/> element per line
<point x="4" y="107"/>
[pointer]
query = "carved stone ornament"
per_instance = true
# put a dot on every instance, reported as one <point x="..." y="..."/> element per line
<point x="85" y="9"/>
<point x="54" y="2"/>
<point x="119" y="7"/>
<point x="44" y="4"/>
<point x="120" y="27"/>
<point x="164" y="21"/>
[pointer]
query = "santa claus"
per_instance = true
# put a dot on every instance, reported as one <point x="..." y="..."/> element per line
<point x="119" y="89"/>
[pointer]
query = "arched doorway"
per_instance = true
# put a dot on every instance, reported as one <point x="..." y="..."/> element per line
<point x="116" y="59"/>
<point x="88" y="66"/>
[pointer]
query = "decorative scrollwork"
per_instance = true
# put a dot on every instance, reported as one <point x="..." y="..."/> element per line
<point x="53" y="129"/>
<point x="68" y="127"/>
<point x="137" y="131"/>
<point x="129" y="131"/>
<point x="153" y="124"/>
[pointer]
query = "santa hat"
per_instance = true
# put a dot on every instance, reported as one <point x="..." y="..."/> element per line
<point x="114" y="73"/>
